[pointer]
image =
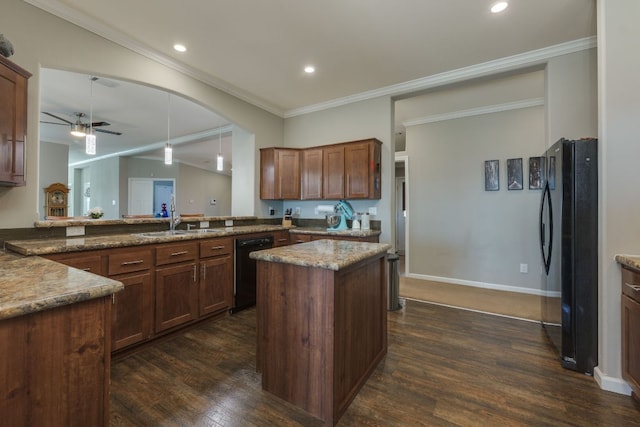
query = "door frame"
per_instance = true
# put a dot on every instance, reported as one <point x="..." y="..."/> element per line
<point x="402" y="156"/>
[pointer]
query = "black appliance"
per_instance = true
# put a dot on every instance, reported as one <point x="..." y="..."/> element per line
<point x="245" y="284"/>
<point x="569" y="246"/>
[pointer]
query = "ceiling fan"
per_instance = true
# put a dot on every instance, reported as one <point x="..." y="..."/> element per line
<point x="79" y="128"/>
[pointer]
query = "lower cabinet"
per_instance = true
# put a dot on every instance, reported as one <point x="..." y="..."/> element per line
<point x="630" y="309"/>
<point x="132" y="314"/>
<point x="176" y="296"/>
<point x="215" y="293"/>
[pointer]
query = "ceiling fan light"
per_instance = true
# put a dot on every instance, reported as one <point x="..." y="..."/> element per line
<point x="90" y="144"/>
<point x="220" y="163"/>
<point x="168" y="154"/>
<point x="77" y="129"/>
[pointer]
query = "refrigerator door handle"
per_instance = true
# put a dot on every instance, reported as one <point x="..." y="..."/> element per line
<point x="546" y="254"/>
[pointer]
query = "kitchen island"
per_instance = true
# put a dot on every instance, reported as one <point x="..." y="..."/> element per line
<point x="55" y="324"/>
<point x="321" y="321"/>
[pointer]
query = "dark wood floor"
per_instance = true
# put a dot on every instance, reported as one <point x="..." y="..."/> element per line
<point x="445" y="367"/>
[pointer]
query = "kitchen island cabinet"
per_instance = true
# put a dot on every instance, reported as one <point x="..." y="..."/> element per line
<point x="54" y="328"/>
<point x="321" y="322"/>
<point x="630" y="309"/>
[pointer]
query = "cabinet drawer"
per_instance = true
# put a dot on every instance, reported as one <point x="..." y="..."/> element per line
<point x="216" y="247"/>
<point x="90" y="263"/>
<point x="171" y="254"/>
<point x="130" y="261"/>
<point x="280" y="238"/>
<point x="631" y="284"/>
<point x="300" y="238"/>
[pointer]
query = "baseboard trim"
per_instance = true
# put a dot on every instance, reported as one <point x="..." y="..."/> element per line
<point x="494" y="286"/>
<point x="613" y="384"/>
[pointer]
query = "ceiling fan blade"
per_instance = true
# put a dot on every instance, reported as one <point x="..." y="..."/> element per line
<point x="56" y="117"/>
<point x="108" y="131"/>
<point x="96" y="124"/>
<point x="54" y="123"/>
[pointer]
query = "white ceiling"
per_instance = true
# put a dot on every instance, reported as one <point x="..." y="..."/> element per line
<point x="257" y="49"/>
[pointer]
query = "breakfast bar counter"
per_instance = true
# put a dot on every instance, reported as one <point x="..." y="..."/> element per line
<point x="322" y="321"/>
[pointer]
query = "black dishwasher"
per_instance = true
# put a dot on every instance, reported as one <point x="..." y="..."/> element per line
<point x="245" y="287"/>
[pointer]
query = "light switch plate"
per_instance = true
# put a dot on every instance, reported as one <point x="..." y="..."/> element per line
<point x="228" y="223"/>
<point x="75" y="231"/>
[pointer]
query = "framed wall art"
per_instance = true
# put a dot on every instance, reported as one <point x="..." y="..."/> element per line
<point x="514" y="174"/>
<point x="536" y="173"/>
<point x="491" y="175"/>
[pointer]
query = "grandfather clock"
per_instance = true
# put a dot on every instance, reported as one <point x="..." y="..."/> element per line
<point x="56" y="198"/>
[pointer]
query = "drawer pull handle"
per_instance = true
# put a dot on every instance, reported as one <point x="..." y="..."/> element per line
<point x="282" y="240"/>
<point x="179" y="253"/>
<point x="194" y="274"/>
<point x="138" y="261"/>
<point x="215" y="248"/>
<point x="634" y="287"/>
<point x="86" y="269"/>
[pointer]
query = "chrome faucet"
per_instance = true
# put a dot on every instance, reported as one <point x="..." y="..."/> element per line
<point x="173" y="220"/>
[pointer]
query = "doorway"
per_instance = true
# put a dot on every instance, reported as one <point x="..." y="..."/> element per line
<point x="147" y="195"/>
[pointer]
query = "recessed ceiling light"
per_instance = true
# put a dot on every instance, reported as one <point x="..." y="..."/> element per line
<point x="499" y="6"/>
<point x="309" y="69"/>
<point x="180" y="47"/>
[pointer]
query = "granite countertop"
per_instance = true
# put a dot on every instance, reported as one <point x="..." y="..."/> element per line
<point x="76" y="221"/>
<point x="327" y="254"/>
<point x="631" y="261"/>
<point x="84" y="243"/>
<point x="31" y="284"/>
<point x="324" y="231"/>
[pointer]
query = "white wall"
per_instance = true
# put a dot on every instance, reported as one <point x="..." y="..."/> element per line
<point x="56" y="155"/>
<point x="619" y="151"/>
<point x="458" y="231"/>
<point x="43" y="40"/>
<point x="361" y="120"/>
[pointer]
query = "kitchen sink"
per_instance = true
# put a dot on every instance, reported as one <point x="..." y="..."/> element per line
<point x="163" y="233"/>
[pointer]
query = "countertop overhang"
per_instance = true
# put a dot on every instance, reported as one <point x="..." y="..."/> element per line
<point x="34" y="284"/>
<point x="328" y="254"/>
<point x="632" y="261"/>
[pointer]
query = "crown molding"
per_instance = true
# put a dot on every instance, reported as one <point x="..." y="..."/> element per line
<point x="487" y="109"/>
<point x="510" y="63"/>
<point x="72" y="15"/>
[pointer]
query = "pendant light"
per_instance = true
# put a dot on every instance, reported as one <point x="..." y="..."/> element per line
<point x="220" y="159"/>
<point x="90" y="138"/>
<point x="168" y="151"/>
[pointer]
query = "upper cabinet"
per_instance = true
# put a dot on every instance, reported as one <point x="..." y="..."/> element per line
<point x="351" y="170"/>
<point x="13" y="122"/>
<point x="279" y="173"/>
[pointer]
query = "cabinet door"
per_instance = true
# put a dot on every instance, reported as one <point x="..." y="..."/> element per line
<point x="288" y="174"/>
<point x="176" y="296"/>
<point x="13" y="123"/>
<point x="631" y="342"/>
<point x="132" y="314"/>
<point x="333" y="172"/>
<point x="216" y="285"/>
<point x="311" y="174"/>
<point x="356" y="160"/>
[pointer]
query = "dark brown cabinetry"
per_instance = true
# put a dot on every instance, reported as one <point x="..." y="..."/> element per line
<point x="13" y="122"/>
<point x="132" y="314"/>
<point x="631" y="329"/>
<point x="216" y="276"/>
<point x="281" y="238"/>
<point x="311" y="172"/>
<point x="351" y="170"/>
<point x="280" y="173"/>
<point x="305" y="237"/>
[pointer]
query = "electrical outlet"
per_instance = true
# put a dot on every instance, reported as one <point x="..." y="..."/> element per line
<point x="228" y="223"/>
<point x="204" y="224"/>
<point x="297" y="210"/>
<point x="524" y="268"/>
<point x="373" y="210"/>
<point x="75" y="231"/>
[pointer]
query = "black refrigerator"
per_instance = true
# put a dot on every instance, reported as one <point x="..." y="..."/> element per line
<point x="569" y="247"/>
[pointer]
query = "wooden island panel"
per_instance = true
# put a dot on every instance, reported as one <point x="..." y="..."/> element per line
<point x="321" y="332"/>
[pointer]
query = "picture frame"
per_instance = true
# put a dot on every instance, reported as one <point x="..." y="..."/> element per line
<point x="514" y="174"/>
<point x="491" y="175"/>
<point x="536" y="173"/>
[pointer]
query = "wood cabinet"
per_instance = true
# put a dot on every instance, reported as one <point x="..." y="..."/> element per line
<point x="216" y="276"/>
<point x="362" y="163"/>
<point x="279" y="173"/>
<point x="13" y="122"/>
<point x="132" y="313"/>
<point x="333" y="172"/>
<point x="281" y="238"/>
<point x="312" y="173"/>
<point x="55" y="366"/>
<point x="351" y="170"/>
<point x="304" y="237"/>
<point x="631" y="329"/>
<point x="176" y="285"/>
